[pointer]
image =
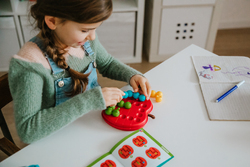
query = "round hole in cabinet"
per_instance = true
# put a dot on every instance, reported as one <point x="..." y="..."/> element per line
<point x="176" y="38"/>
<point x="178" y="25"/>
<point x="183" y="37"/>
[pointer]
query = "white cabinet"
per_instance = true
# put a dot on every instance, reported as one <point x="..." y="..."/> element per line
<point x="28" y="31"/>
<point x="121" y="27"/>
<point x="9" y="44"/>
<point x="177" y="34"/>
<point x="121" y="34"/>
<point x="187" y="2"/>
<point x="171" y="26"/>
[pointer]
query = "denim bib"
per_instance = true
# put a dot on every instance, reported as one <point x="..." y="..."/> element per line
<point x="64" y="85"/>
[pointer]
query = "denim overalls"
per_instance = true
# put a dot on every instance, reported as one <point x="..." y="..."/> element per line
<point x="64" y="85"/>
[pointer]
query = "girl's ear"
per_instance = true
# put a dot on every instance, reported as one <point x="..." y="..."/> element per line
<point x="50" y="21"/>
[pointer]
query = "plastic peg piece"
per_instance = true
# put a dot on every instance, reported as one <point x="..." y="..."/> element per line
<point x="130" y="93"/>
<point x="159" y="93"/>
<point x="142" y="98"/>
<point x="127" y="105"/>
<point x="126" y="95"/>
<point x="136" y="95"/>
<point x="121" y="103"/>
<point x="152" y="93"/>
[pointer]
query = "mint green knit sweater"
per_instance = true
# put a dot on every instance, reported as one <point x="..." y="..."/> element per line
<point x="32" y="87"/>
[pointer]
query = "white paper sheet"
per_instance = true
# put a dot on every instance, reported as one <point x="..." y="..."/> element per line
<point x="218" y="74"/>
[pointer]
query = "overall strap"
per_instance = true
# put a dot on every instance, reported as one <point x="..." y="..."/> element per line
<point x="53" y="65"/>
<point x="89" y="52"/>
<point x="88" y="49"/>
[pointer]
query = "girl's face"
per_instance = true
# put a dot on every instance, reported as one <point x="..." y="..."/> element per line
<point x="73" y="34"/>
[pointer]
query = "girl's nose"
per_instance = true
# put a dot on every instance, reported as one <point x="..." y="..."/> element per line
<point x="91" y="35"/>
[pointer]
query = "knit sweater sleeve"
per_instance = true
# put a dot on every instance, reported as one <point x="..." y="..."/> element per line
<point x="33" y="121"/>
<point x="110" y="67"/>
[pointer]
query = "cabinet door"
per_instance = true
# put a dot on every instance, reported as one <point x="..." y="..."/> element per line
<point x="190" y="27"/>
<point x="27" y="30"/>
<point x="9" y="44"/>
<point x="117" y="35"/>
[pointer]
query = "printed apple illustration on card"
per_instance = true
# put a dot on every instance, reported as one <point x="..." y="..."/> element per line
<point x="140" y="141"/>
<point x="139" y="162"/>
<point x="130" y="119"/>
<point x="153" y="153"/>
<point x="125" y="151"/>
<point x="108" y="163"/>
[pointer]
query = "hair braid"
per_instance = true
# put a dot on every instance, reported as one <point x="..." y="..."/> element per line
<point x="57" y="54"/>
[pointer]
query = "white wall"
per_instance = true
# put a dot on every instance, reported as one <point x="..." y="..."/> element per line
<point x="235" y="14"/>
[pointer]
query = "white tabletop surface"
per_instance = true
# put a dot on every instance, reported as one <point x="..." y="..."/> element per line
<point x="181" y="125"/>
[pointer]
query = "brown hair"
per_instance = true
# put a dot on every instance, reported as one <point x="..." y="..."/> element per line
<point x="81" y="11"/>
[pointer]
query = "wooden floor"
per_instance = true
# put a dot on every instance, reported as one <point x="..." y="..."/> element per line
<point x="232" y="42"/>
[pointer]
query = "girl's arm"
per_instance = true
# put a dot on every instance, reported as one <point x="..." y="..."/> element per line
<point x="114" y="69"/>
<point x="110" y="67"/>
<point x="35" y="114"/>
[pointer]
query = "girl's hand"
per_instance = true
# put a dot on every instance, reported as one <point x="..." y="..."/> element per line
<point x="140" y="84"/>
<point x="112" y="96"/>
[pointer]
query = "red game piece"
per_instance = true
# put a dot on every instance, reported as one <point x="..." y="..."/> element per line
<point x="130" y="119"/>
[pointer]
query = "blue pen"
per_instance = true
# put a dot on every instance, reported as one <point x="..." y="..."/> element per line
<point x="230" y="91"/>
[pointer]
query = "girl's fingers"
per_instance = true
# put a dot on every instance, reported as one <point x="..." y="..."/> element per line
<point x="112" y="95"/>
<point x="134" y="85"/>
<point x="144" y="89"/>
<point x="148" y="89"/>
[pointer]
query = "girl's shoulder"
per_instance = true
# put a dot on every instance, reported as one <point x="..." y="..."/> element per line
<point x="31" y="52"/>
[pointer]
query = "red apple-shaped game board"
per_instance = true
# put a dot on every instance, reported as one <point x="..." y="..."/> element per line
<point x="130" y="119"/>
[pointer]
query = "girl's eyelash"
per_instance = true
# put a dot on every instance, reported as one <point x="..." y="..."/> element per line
<point x="85" y="30"/>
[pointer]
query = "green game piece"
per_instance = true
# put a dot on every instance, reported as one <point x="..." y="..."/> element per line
<point x="116" y="113"/>
<point x="127" y="105"/>
<point x="109" y="110"/>
<point x="113" y="107"/>
<point x="121" y="103"/>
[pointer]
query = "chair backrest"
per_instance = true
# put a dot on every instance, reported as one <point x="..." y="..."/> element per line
<point x="5" y="98"/>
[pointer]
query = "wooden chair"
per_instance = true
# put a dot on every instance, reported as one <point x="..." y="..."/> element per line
<point x="6" y="143"/>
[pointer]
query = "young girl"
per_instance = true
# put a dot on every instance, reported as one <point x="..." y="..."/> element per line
<point x="53" y="77"/>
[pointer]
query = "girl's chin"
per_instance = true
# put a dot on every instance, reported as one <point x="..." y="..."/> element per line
<point x="76" y="46"/>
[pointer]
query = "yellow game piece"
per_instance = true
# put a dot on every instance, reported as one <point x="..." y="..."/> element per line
<point x="152" y="93"/>
<point x="159" y="93"/>
<point x="158" y="99"/>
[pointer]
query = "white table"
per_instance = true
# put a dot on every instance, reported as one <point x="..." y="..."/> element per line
<point x="181" y="125"/>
